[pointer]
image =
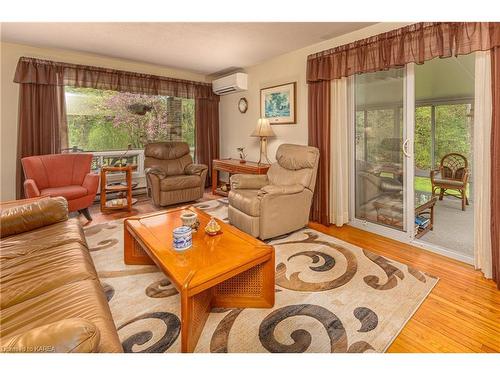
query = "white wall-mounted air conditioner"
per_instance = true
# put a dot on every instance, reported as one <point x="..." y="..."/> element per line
<point x="232" y="83"/>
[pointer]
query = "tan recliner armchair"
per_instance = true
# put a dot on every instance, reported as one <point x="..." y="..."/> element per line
<point x="171" y="175"/>
<point x="267" y="206"/>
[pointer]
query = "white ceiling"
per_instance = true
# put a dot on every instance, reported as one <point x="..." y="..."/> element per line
<point x="205" y="48"/>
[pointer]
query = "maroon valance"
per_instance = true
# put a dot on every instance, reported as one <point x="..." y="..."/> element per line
<point x="45" y="72"/>
<point x="415" y="43"/>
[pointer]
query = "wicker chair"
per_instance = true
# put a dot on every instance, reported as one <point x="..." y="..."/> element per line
<point x="452" y="174"/>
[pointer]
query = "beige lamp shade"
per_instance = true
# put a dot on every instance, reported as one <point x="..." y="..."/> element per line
<point x="263" y="129"/>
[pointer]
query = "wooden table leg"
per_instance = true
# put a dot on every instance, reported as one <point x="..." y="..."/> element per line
<point x="432" y="217"/>
<point x="252" y="288"/>
<point x="129" y="189"/>
<point x="215" y="180"/>
<point x="103" y="190"/>
<point x="132" y="249"/>
<point x="194" y="313"/>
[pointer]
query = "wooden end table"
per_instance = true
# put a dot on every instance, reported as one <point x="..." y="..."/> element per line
<point x="126" y="188"/>
<point x="389" y="210"/>
<point x="425" y="206"/>
<point x="229" y="270"/>
<point x="233" y="166"/>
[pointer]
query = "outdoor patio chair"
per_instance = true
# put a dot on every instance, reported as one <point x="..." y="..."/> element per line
<point x="452" y="174"/>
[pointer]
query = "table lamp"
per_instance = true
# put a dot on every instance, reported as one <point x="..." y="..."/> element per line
<point x="263" y="130"/>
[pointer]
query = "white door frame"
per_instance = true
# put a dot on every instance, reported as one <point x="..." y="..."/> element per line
<point x="409" y="140"/>
<point x="408" y="234"/>
<point x="408" y="99"/>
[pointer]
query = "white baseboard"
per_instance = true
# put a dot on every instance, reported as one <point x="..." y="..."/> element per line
<point x="469" y="259"/>
<point x="404" y="237"/>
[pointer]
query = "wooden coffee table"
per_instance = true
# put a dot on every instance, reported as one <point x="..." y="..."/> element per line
<point x="231" y="269"/>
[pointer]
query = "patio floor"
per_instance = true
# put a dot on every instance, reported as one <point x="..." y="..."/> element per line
<point x="453" y="228"/>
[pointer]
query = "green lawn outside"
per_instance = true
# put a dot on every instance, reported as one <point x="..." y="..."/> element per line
<point x="422" y="184"/>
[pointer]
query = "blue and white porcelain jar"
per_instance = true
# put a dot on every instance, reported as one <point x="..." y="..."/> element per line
<point x="182" y="238"/>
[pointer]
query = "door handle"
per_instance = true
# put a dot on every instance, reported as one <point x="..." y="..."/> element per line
<point x="405" y="147"/>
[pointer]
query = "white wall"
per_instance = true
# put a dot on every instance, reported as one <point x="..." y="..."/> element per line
<point x="10" y="54"/>
<point x="235" y="128"/>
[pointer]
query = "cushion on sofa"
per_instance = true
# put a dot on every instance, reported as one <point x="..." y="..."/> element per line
<point x="37" y="272"/>
<point x="68" y="231"/>
<point x="33" y="215"/>
<point x="65" y="336"/>
<point x="82" y="299"/>
<point x="181" y="182"/>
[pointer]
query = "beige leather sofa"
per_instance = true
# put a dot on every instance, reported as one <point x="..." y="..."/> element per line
<point x="267" y="206"/>
<point x="51" y="297"/>
<point x="171" y="175"/>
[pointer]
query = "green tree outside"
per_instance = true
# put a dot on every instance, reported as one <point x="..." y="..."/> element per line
<point x="102" y="120"/>
<point x="452" y="130"/>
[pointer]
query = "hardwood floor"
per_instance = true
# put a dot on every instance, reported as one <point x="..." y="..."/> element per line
<point x="461" y="314"/>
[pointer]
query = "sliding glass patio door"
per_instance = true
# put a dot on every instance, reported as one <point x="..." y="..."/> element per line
<point x="381" y="153"/>
<point x="405" y="123"/>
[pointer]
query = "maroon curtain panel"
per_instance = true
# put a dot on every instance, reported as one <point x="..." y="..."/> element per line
<point x="207" y="133"/>
<point x="495" y="164"/>
<point x="42" y="127"/>
<point x="319" y="136"/>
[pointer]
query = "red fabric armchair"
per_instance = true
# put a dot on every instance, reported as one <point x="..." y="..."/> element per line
<point x="62" y="175"/>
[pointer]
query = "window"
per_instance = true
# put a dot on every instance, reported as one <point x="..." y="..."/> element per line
<point x="102" y="120"/>
<point x="439" y="130"/>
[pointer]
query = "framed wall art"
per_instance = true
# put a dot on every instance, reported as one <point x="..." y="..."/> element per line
<point x="277" y="103"/>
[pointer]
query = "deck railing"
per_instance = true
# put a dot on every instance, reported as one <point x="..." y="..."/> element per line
<point x="111" y="158"/>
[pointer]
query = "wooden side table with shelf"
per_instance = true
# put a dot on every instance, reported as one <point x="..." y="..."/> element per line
<point x="233" y="166"/>
<point x="425" y="207"/>
<point x="123" y="188"/>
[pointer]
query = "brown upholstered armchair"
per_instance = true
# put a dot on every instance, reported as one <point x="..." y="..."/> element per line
<point x="452" y="174"/>
<point x="267" y="206"/>
<point x="171" y="175"/>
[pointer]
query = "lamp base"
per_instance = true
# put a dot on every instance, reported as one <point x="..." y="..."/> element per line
<point x="263" y="159"/>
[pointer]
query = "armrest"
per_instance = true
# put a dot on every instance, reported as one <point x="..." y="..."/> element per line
<point x="154" y="175"/>
<point x="465" y="177"/>
<point x="435" y="172"/>
<point x="20" y="202"/>
<point x="280" y="189"/>
<point x="66" y="336"/>
<point x="156" y="171"/>
<point x="91" y="183"/>
<point x="30" y="188"/>
<point x="195" y="169"/>
<point x="34" y="215"/>
<point x="248" y="181"/>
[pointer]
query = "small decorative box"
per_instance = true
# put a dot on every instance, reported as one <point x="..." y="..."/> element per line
<point x="212" y="228"/>
<point x="182" y="238"/>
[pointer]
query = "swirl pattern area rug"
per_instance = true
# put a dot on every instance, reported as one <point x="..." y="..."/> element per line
<point x="331" y="296"/>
